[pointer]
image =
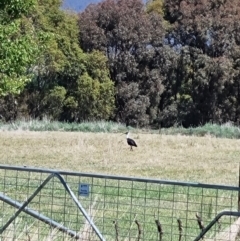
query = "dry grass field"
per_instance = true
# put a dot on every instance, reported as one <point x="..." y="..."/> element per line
<point x="186" y="158"/>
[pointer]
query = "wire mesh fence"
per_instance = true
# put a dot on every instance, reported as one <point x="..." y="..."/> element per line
<point x="120" y="208"/>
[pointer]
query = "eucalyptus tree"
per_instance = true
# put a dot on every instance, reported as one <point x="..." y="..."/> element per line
<point x="18" y="45"/>
<point x="132" y="40"/>
<point x="68" y="84"/>
<point x="207" y="37"/>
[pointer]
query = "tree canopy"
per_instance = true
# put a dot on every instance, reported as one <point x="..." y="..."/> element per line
<point x="169" y="62"/>
<point x="18" y="45"/>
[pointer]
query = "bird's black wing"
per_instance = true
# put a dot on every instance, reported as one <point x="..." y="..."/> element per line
<point x="131" y="142"/>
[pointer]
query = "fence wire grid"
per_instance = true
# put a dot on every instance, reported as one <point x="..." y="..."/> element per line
<point x="122" y="208"/>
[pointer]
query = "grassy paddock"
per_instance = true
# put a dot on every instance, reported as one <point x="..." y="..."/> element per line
<point x="101" y="148"/>
<point x="179" y="157"/>
<point x="113" y="200"/>
<point x="226" y="130"/>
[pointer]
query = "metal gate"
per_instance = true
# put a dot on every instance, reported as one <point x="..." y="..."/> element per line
<point x="41" y="204"/>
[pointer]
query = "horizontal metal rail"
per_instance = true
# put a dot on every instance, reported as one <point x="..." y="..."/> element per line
<point x="215" y="220"/>
<point x="145" y="180"/>
<point x="39" y="216"/>
<point x="52" y="175"/>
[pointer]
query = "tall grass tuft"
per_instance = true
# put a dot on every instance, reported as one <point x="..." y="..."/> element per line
<point x="227" y="130"/>
<point x="222" y="131"/>
<point x="47" y="125"/>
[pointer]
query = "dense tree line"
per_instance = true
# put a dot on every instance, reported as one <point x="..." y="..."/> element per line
<point x="169" y="62"/>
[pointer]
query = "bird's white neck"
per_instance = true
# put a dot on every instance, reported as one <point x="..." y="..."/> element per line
<point x="127" y="134"/>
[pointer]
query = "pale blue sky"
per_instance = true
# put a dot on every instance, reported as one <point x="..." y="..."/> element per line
<point x="79" y="5"/>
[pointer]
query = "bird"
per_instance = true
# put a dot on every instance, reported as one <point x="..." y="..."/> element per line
<point x="130" y="141"/>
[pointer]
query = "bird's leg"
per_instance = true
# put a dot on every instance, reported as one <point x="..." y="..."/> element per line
<point x="131" y="148"/>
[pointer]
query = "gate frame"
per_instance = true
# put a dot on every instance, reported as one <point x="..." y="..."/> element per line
<point x="57" y="173"/>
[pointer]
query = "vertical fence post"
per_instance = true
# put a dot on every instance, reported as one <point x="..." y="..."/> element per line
<point x="239" y="187"/>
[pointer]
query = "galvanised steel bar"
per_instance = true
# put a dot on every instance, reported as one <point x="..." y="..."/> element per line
<point x="39" y="216"/>
<point x="80" y="207"/>
<point x="23" y="206"/>
<point x="239" y="186"/>
<point x="26" y="202"/>
<point x="145" y="180"/>
<point x="208" y="227"/>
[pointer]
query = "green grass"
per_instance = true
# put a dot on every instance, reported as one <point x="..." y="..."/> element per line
<point x="113" y="200"/>
<point x="100" y="147"/>
<point x="222" y="131"/>
<point x="47" y="125"/>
